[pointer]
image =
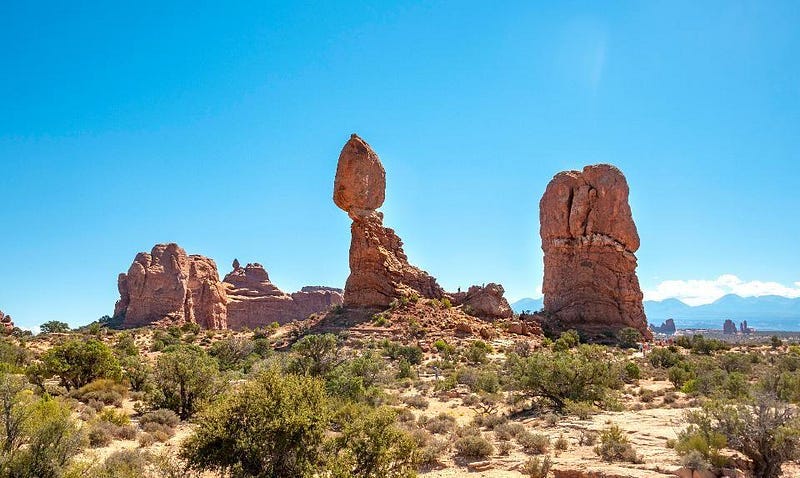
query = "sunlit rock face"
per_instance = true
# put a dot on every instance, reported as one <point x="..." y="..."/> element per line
<point x="589" y="241"/>
<point x="379" y="269"/>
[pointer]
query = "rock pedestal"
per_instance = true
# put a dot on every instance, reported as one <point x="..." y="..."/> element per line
<point x="379" y="269"/>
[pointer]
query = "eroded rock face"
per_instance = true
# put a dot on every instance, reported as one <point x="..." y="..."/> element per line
<point x="170" y="285"/>
<point x="589" y="240"/>
<point x="729" y="327"/>
<point x="666" y="327"/>
<point x="254" y="301"/>
<point x="485" y="301"/>
<point x="5" y="322"/>
<point x="379" y="268"/>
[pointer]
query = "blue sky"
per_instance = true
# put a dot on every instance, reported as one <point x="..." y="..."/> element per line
<point x="218" y="127"/>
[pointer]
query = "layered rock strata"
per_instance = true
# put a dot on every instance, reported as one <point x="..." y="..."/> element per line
<point x="484" y="301"/>
<point x="589" y="241"/>
<point x="379" y="269"/>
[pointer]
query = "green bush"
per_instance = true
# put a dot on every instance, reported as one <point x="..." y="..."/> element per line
<point x="473" y="447"/>
<point x="614" y="446"/>
<point x="185" y="377"/>
<point x="536" y="468"/>
<point x="661" y="357"/>
<point x="584" y="374"/>
<point x="78" y="362"/>
<point x="372" y="446"/>
<point x="567" y="340"/>
<point x="54" y="326"/>
<point x="273" y="426"/>
<point x="534" y="443"/>
<point x="628" y="338"/>
<point x="477" y="352"/>
<point x="233" y="353"/>
<point x="103" y="390"/>
<point x="315" y="355"/>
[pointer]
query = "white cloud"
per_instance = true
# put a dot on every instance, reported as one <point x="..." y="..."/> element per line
<point x="698" y="292"/>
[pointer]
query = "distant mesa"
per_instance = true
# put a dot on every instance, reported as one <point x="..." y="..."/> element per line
<point x="379" y="268"/>
<point x="666" y="327"/>
<point x="6" y="322"/>
<point x="589" y="240"/>
<point x="168" y="286"/>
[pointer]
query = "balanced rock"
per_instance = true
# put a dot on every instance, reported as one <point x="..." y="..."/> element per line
<point x="485" y="301"/>
<point x="170" y="285"/>
<point x="589" y="240"/>
<point x="254" y="301"/>
<point x="379" y="269"/>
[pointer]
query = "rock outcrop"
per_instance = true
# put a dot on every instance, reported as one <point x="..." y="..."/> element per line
<point x="254" y="301"/>
<point x="589" y="240"/>
<point x="5" y="322"/>
<point x="170" y="285"/>
<point x="729" y="327"/>
<point x="666" y="327"/>
<point x="484" y="301"/>
<point x="379" y="269"/>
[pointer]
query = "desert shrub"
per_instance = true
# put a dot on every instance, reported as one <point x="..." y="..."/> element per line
<point x="775" y="342"/>
<point x="567" y="340"/>
<point x="632" y="372"/>
<point x="78" y="362"/>
<point x="432" y="452"/>
<point x="561" y="443"/>
<point x="137" y="371"/>
<point x="701" y="438"/>
<point x="614" y="446"/>
<point x="416" y="401"/>
<point x="233" y="353"/>
<point x="489" y="420"/>
<point x="122" y="464"/>
<point x="477" y="352"/>
<point x="12" y="356"/>
<point x="735" y="362"/>
<point x="765" y="430"/>
<point x="163" y="339"/>
<point x="54" y="326"/>
<point x="315" y="355"/>
<point x="160" y="417"/>
<point x="584" y="374"/>
<point x="356" y="379"/>
<point x="504" y="448"/>
<point x="628" y="338"/>
<point x="101" y="434"/>
<point x="507" y="431"/>
<point x="441" y="424"/>
<point x="582" y="410"/>
<point x="534" y="443"/>
<point x="272" y="426"/>
<point x="587" y="438"/>
<point x="125" y="345"/>
<point x="372" y="446"/>
<point x="537" y="468"/>
<point x="112" y="416"/>
<point x="412" y="353"/>
<point x="700" y="345"/>
<point x="662" y="357"/>
<point x="103" y="390"/>
<point x="404" y="369"/>
<point x="184" y="377"/>
<point x="146" y="439"/>
<point x="679" y="374"/>
<point x="446" y="350"/>
<point x="694" y="460"/>
<point x="473" y="447"/>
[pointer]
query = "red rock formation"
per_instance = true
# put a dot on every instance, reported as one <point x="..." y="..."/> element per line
<point x="170" y="285"/>
<point x="6" y="322"/>
<point x="484" y="301"/>
<point x="254" y="301"/>
<point x="589" y="240"/>
<point x="379" y="268"/>
<point x="729" y="327"/>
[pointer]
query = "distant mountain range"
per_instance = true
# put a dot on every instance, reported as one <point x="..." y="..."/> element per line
<point x="769" y="312"/>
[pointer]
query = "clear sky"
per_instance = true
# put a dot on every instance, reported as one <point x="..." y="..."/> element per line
<point x="217" y="125"/>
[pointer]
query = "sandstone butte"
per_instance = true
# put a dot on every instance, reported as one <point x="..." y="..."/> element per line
<point x="379" y="268"/>
<point x="589" y="241"/>
<point x="170" y="286"/>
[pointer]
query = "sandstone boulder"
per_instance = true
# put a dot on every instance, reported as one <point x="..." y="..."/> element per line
<point x="379" y="269"/>
<point x="170" y="285"/>
<point x="486" y="301"/>
<point x="589" y="240"/>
